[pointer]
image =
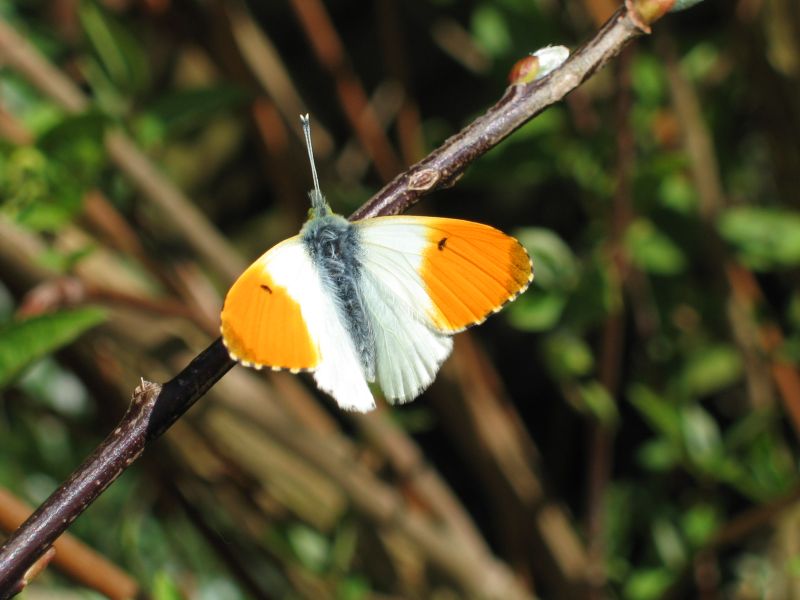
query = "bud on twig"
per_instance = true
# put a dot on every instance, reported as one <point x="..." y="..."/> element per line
<point x="537" y="64"/>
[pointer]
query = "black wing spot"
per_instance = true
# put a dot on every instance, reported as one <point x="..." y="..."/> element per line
<point x="442" y="243"/>
<point x="266" y="288"/>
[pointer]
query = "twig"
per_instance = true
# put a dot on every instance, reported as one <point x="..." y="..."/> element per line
<point x="519" y="104"/>
<point x="73" y="557"/>
<point x="155" y="408"/>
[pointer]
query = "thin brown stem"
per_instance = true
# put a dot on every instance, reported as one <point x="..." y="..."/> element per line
<point x="601" y="441"/>
<point x="73" y="557"/>
<point x="442" y="167"/>
<point x="330" y="52"/>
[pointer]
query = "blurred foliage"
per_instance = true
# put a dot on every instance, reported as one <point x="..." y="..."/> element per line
<point x="699" y="426"/>
<point x="24" y="342"/>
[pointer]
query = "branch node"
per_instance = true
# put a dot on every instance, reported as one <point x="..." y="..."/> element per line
<point x="643" y="13"/>
<point x="37" y="567"/>
<point x="145" y="391"/>
<point x="424" y="180"/>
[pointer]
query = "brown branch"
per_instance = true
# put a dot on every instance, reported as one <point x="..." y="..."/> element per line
<point x="489" y="431"/>
<point x="519" y="104"/>
<point x="73" y="557"/>
<point x="600" y="456"/>
<point x="328" y="47"/>
<point x="155" y="408"/>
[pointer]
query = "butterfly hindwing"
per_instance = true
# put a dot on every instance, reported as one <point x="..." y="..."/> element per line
<point x="408" y="353"/>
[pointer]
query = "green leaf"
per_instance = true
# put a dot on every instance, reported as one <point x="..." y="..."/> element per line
<point x="652" y="251"/>
<point x="647" y="584"/>
<point x="668" y="543"/>
<point x="555" y="273"/>
<point x="117" y="50"/>
<point x="675" y="191"/>
<point x="42" y="186"/>
<point x="660" y="413"/>
<point x="185" y="110"/>
<point x="700" y="61"/>
<point x="36" y="192"/>
<point x="765" y="238"/>
<point x="658" y="455"/>
<point x="554" y="264"/>
<point x="599" y="402"/>
<point x="353" y="588"/>
<point x="491" y="30"/>
<point x="536" y="310"/>
<point x="24" y="342"/>
<point x="701" y="437"/>
<point x="311" y="547"/>
<point x="165" y="587"/>
<point x="596" y="296"/>
<point x="647" y="78"/>
<point x="699" y="523"/>
<point x="710" y="369"/>
<point x="567" y="355"/>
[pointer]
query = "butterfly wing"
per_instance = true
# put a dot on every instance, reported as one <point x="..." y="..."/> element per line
<point x="408" y="353"/>
<point x="440" y="276"/>
<point x="278" y="315"/>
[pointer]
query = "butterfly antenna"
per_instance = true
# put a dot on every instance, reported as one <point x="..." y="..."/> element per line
<point x="318" y="203"/>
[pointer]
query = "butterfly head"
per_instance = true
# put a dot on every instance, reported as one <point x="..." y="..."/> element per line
<point x="319" y="206"/>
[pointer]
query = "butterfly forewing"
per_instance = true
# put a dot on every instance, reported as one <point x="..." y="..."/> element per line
<point x="449" y="272"/>
<point x="262" y="321"/>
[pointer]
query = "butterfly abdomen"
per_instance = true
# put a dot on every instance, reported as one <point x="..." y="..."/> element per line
<point x="332" y="244"/>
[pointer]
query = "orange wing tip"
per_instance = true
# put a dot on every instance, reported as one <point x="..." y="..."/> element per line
<point x="446" y="322"/>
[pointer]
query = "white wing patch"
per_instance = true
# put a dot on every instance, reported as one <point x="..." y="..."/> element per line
<point x="339" y="372"/>
<point x="393" y="253"/>
<point x="408" y="353"/>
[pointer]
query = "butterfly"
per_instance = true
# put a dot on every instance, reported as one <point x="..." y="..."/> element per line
<point x="376" y="300"/>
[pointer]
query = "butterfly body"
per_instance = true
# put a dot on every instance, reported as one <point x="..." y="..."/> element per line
<point x="370" y="301"/>
<point x="334" y="247"/>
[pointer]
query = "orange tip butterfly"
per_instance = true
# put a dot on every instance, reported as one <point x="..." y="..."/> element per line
<point x="373" y="300"/>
